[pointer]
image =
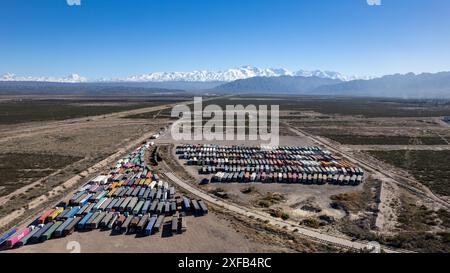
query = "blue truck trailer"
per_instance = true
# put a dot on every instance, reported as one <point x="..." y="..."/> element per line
<point x="7" y="235"/>
<point x="150" y="225"/>
<point x="83" y="221"/>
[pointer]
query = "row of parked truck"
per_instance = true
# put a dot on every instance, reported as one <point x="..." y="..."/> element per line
<point x="315" y="178"/>
<point x="130" y="198"/>
<point x="283" y="169"/>
<point x="309" y="165"/>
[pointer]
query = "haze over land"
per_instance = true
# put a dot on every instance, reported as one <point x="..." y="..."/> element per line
<point x="246" y="79"/>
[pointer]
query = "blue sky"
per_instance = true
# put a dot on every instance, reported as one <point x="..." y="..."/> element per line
<point x="117" y="38"/>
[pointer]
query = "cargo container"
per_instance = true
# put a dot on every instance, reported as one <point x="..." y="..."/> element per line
<point x="183" y="224"/>
<point x="347" y="180"/>
<point x="147" y="194"/>
<point x="116" y="204"/>
<point x="9" y="243"/>
<point x="152" y="194"/>
<point x="353" y="180"/>
<point x="82" y="223"/>
<point x="105" y="221"/>
<point x="160" y="207"/>
<point x="71" y="226"/>
<point x="359" y="179"/>
<point x="159" y="194"/>
<point x="77" y="196"/>
<point x="195" y="206"/>
<point x="47" y="235"/>
<point x="105" y="204"/>
<point x="95" y="222"/>
<point x="142" y="223"/>
<point x="43" y="219"/>
<point x="155" y="177"/>
<point x="123" y="206"/>
<point x="136" y="191"/>
<point x="129" y="192"/>
<point x="159" y="223"/>
<point x="175" y="224"/>
<point x="167" y="208"/>
<point x="203" y="207"/>
<point x="112" y="192"/>
<point x="146" y="207"/>
<point x="84" y="200"/>
<point x="133" y="225"/>
<point x="187" y="204"/>
<point x="153" y="206"/>
<point x="27" y="238"/>
<point x="150" y="225"/>
<point x="89" y="208"/>
<point x="141" y="193"/>
<point x="124" y="227"/>
<point x="138" y="207"/>
<point x="59" y="232"/>
<point x="62" y="215"/>
<point x="113" y="221"/>
<point x="36" y="237"/>
<point x="99" y="203"/>
<point x="82" y="210"/>
<point x="54" y="214"/>
<point x="101" y="195"/>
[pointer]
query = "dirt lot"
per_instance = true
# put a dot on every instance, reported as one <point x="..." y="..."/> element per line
<point x="205" y="234"/>
<point x="296" y="202"/>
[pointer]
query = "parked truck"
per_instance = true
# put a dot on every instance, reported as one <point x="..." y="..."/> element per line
<point x="49" y="233"/>
<point x="150" y="225"/>
<point x="59" y="232"/>
<point x="159" y="223"/>
<point x="17" y="237"/>
<point x="7" y="235"/>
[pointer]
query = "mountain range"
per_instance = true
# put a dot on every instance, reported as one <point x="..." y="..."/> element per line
<point x="229" y="75"/>
<point x="73" y="78"/>
<point x="281" y="84"/>
<point x="243" y="80"/>
<point x="244" y="72"/>
<point x="426" y="85"/>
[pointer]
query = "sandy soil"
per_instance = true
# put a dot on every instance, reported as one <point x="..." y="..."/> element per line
<point x="204" y="234"/>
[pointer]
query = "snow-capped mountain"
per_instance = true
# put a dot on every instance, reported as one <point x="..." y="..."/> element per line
<point x="330" y="75"/>
<point x="229" y="75"/>
<point x="201" y="76"/>
<point x="234" y="74"/>
<point x="73" y="78"/>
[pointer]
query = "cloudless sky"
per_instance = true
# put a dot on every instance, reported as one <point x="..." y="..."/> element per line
<point x="118" y="38"/>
